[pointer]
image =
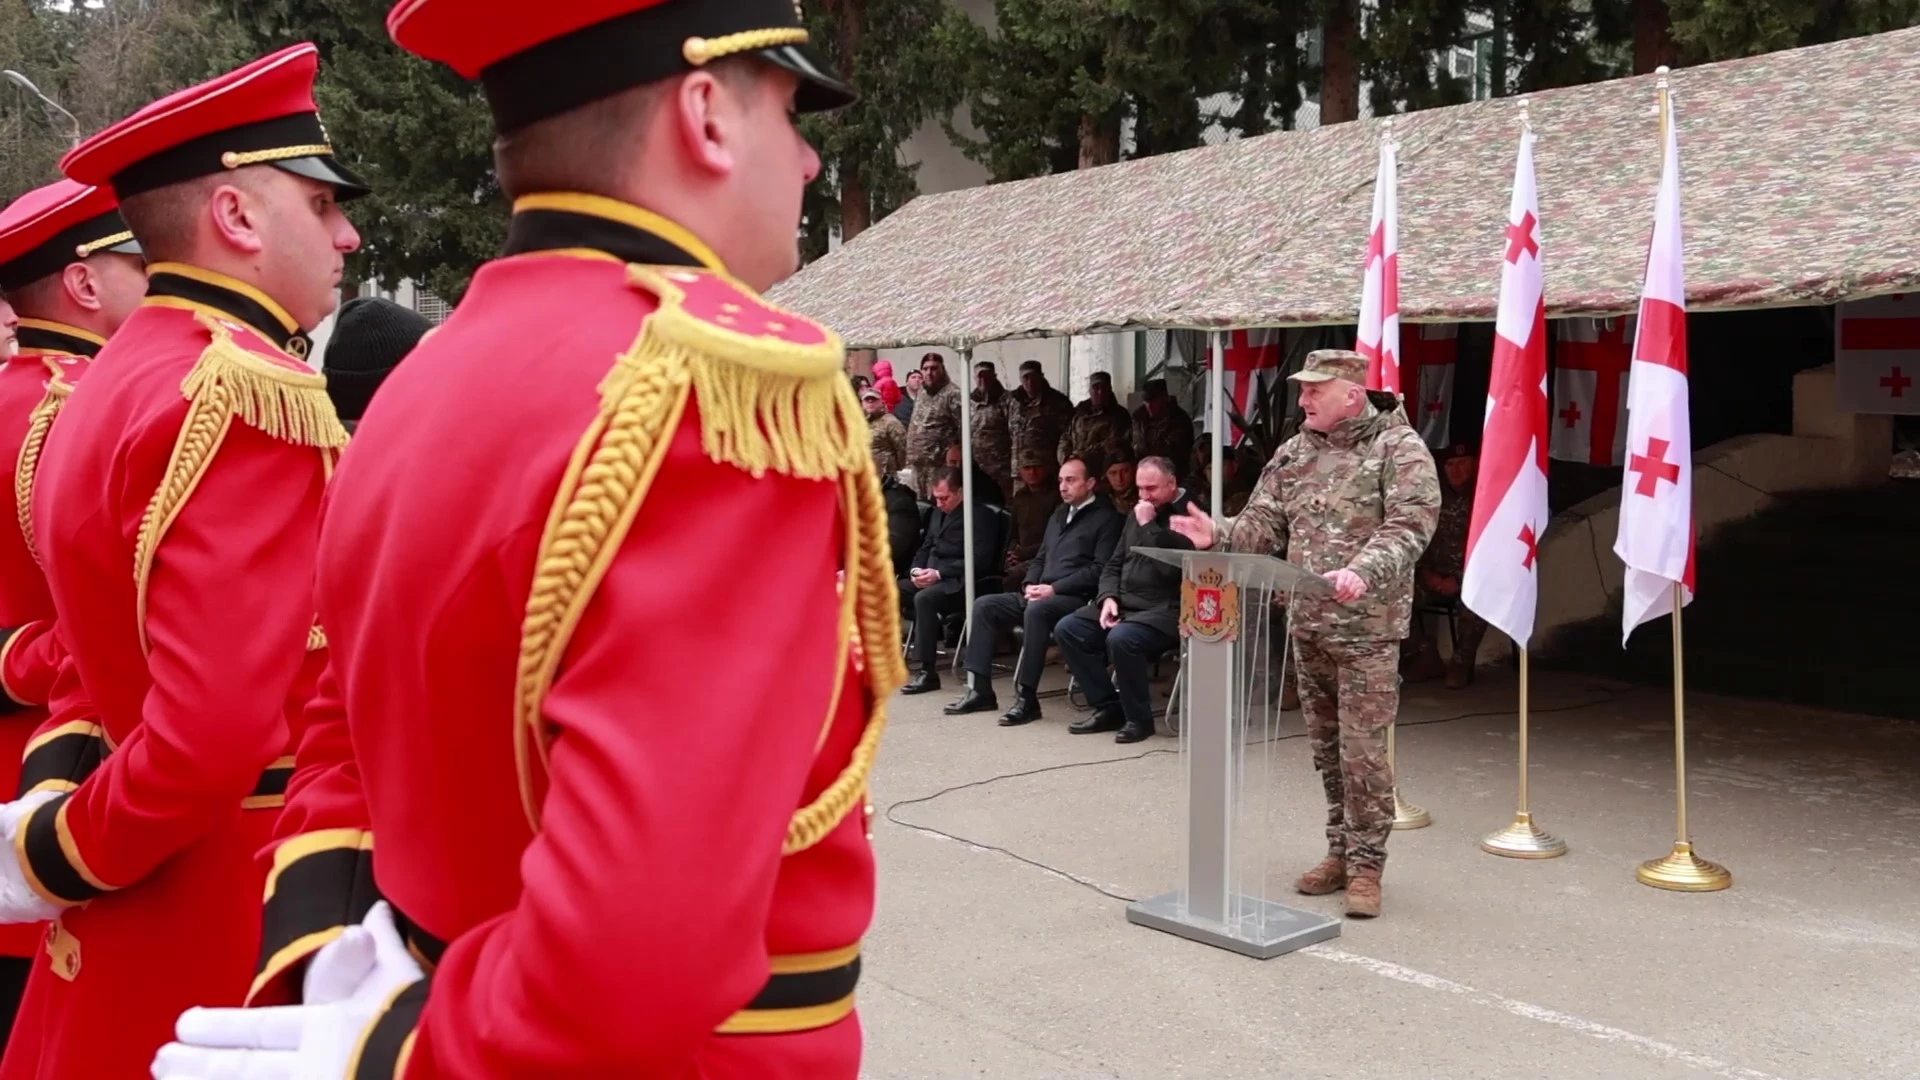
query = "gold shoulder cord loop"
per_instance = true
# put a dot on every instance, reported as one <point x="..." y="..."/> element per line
<point x="760" y="411"/>
<point x="27" y="468"/>
<point x="229" y="383"/>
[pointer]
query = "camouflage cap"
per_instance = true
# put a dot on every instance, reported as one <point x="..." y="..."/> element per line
<point x="1028" y="459"/>
<point x="1327" y="364"/>
<point x="1100" y="377"/>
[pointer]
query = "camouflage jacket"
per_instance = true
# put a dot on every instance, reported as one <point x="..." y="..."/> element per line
<point x="1169" y="436"/>
<point x="1363" y="497"/>
<point x="889" y="440"/>
<point x="1038" y="424"/>
<point x="993" y="433"/>
<point x="936" y="426"/>
<point x="1447" y="554"/>
<point x="1105" y="433"/>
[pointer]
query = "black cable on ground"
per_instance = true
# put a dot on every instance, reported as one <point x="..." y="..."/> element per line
<point x="1610" y="697"/>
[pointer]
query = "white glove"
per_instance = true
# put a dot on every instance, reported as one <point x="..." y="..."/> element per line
<point x="18" y="902"/>
<point x="348" y="983"/>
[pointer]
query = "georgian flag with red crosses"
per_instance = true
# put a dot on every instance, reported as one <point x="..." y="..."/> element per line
<point x="1656" y="492"/>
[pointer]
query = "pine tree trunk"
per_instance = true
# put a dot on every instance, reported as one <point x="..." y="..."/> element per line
<point x="856" y="204"/>
<point x="1340" y="63"/>
<point x="1099" y="141"/>
<point x="1652" y="35"/>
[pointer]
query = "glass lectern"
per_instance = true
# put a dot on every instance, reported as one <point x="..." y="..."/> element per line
<point x="1228" y="726"/>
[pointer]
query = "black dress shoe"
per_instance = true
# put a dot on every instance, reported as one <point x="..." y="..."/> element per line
<point x="973" y="701"/>
<point x="1133" y="733"/>
<point x="924" y="683"/>
<point x="1108" y="718"/>
<point x="1024" y="711"/>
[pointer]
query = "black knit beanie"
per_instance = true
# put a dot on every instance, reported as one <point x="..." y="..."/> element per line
<point x="370" y="338"/>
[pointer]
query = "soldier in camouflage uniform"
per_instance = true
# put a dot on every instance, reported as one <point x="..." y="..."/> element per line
<point x="1161" y="428"/>
<point x="992" y="431"/>
<point x="935" y="425"/>
<point x="1031" y="506"/>
<point x="1436" y="581"/>
<point x="889" y="435"/>
<point x="1353" y="497"/>
<point x="1039" y="415"/>
<point x="1101" y="430"/>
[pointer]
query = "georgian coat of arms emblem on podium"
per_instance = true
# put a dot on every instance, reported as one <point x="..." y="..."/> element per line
<point x="1209" y="607"/>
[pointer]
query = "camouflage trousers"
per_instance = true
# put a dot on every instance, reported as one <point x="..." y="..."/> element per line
<point x="1349" y="694"/>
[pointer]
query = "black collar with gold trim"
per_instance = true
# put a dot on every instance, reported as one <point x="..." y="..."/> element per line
<point x="46" y="337"/>
<point x="571" y="222"/>
<point x="196" y="289"/>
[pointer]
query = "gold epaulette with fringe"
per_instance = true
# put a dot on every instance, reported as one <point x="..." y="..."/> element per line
<point x="771" y="398"/>
<point x="27" y="468"/>
<point x="229" y="382"/>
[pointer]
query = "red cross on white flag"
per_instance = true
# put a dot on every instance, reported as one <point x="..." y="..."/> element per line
<point x="1589" y="389"/>
<point x="1876" y="352"/>
<point x="1656" y="493"/>
<point x="1501" y="581"/>
<point x="1379" y="336"/>
<point x="1430" y="350"/>
<point x="1251" y="365"/>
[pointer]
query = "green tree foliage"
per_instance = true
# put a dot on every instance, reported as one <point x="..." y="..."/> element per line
<point x="900" y="55"/>
<point x="420" y="134"/>
<point x="1723" y="29"/>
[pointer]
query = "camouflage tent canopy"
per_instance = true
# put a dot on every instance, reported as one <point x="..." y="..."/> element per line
<point x="1802" y="186"/>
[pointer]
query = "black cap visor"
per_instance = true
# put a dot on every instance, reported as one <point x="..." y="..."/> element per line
<point x="346" y="185"/>
<point x="820" y="89"/>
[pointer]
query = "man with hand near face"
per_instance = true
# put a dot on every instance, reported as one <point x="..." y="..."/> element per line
<point x="1137" y="615"/>
<point x="1353" y="497"/>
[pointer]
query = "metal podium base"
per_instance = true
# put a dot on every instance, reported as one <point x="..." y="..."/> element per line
<point x="1275" y="930"/>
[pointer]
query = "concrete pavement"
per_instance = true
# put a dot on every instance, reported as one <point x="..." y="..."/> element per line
<point x="1010" y="963"/>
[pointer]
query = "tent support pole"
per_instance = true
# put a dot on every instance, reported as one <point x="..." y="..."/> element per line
<point x="1218" y="426"/>
<point x="966" y="487"/>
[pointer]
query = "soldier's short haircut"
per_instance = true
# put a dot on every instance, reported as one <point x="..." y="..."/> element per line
<point x="1155" y="461"/>
<point x="949" y="477"/>
<point x="166" y="219"/>
<point x="32" y="299"/>
<point x="572" y="151"/>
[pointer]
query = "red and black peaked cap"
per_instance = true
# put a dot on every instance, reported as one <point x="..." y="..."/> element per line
<point x="50" y="227"/>
<point x="539" y="60"/>
<point x="260" y="114"/>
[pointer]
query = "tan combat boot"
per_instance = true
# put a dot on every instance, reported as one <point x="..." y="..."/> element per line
<point x="1329" y="875"/>
<point x="1363" y="895"/>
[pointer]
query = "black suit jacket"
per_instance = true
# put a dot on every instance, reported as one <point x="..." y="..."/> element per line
<point x="1148" y="589"/>
<point x="1072" y="554"/>
<point x="944" y="547"/>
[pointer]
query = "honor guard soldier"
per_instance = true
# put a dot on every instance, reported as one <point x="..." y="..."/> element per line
<point x="176" y="513"/>
<point x="72" y="273"/>
<point x="619" y="832"/>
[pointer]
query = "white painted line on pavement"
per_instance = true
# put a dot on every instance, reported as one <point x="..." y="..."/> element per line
<point x="1602" y="1032"/>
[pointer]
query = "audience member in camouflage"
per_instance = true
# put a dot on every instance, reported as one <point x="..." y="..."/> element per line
<point x="1352" y="497"/>
<point x="1437" y="581"/>
<point x="1100" y="429"/>
<point x="1039" y="415"/>
<point x="889" y="436"/>
<point x="1161" y="428"/>
<point x="936" y="423"/>
<point x="992" y="431"/>
<point x="1031" y="506"/>
<point x="1121" y="490"/>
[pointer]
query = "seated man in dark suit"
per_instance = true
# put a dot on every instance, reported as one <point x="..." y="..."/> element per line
<point x="1079" y="539"/>
<point x="1137" y="616"/>
<point x="936" y="583"/>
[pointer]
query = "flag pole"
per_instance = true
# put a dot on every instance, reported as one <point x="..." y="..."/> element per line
<point x="1406" y="815"/>
<point x="1523" y="839"/>
<point x="1680" y="870"/>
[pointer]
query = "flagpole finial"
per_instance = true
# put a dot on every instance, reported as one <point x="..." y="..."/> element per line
<point x="1526" y="114"/>
<point x="1662" y="73"/>
<point x="1386" y="131"/>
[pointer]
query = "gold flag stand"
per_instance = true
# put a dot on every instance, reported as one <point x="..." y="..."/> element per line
<point x="1523" y="839"/>
<point x="1405" y="814"/>
<point x="1681" y="870"/>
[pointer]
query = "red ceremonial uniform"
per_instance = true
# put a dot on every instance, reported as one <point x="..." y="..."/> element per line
<point x="41" y="233"/>
<point x="176" y="513"/>
<point x="649" y="925"/>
